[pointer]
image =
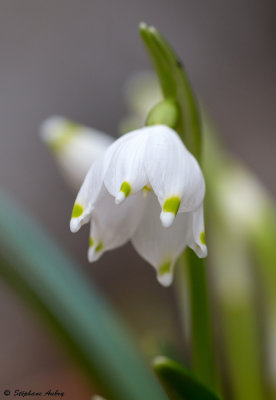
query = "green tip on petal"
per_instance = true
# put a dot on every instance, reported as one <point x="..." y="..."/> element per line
<point x="165" y="113"/>
<point x="202" y="238"/>
<point x="164" y="268"/>
<point x="126" y="188"/>
<point x="164" y="273"/>
<point x="172" y="204"/>
<point x="91" y="241"/>
<point x="77" y="210"/>
<point x="99" y="247"/>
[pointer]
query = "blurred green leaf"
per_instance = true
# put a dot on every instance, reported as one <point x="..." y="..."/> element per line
<point x="36" y="269"/>
<point x="175" y="85"/>
<point x="178" y="381"/>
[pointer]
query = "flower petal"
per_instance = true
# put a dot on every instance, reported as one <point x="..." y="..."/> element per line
<point x="87" y="196"/>
<point x="126" y="173"/>
<point x="75" y="147"/>
<point x="197" y="240"/>
<point x="113" y="225"/>
<point x="173" y="173"/>
<point x="158" y="245"/>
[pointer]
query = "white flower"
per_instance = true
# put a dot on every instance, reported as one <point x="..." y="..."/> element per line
<point x="144" y="176"/>
<point x="74" y="146"/>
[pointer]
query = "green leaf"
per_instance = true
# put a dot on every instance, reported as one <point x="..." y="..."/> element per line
<point x="179" y="382"/>
<point x="175" y="85"/>
<point x="37" y="270"/>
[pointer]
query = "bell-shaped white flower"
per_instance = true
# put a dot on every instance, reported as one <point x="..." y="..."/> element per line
<point x="74" y="146"/>
<point x="149" y="188"/>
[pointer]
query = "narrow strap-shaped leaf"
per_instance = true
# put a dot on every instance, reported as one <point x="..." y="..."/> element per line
<point x="36" y="269"/>
<point x="179" y="382"/>
<point x="175" y="85"/>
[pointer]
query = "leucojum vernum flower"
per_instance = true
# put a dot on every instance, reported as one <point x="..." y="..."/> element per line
<point x="148" y="188"/>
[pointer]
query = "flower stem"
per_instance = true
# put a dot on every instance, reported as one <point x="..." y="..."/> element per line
<point x="176" y="87"/>
<point x="200" y="321"/>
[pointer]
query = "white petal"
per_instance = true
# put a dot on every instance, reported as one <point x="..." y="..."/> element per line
<point x="173" y="173"/>
<point x="75" y="147"/>
<point x="126" y="173"/>
<point x="197" y="238"/>
<point x="113" y="225"/>
<point x="158" y="245"/>
<point x="87" y="195"/>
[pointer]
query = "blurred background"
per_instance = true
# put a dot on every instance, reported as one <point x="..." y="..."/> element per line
<point x="72" y="58"/>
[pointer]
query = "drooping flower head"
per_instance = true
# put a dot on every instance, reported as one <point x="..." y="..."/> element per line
<point x="147" y="188"/>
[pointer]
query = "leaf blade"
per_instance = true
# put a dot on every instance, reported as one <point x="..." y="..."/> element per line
<point x="179" y="382"/>
<point x="34" y="266"/>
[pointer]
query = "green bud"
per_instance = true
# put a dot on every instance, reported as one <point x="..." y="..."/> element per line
<point x="165" y="113"/>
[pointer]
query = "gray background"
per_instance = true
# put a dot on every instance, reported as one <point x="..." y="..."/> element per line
<point x="72" y="58"/>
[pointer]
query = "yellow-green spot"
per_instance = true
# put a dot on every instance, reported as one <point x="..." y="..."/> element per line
<point x="99" y="247"/>
<point x="202" y="237"/>
<point x="125" y="188"/>
<point x="91" y="241"/>
<point x="172" y="204"/>
<point x="77" y="210"/>
<point x="147" y="188"/>
<point x="164" y="269"/>
<point x="64" y="135"/>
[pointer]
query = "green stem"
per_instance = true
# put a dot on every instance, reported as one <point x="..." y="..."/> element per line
<point x="242" y="350"/>
<point x="176" y="87"/>
<point x="202" y="346"/>
<point x="237" y="322"/>
<point x="262" y="241"/>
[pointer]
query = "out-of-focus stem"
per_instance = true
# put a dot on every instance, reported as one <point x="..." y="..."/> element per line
<point x="233" y="276"/>
<point x="237" y="317"/>
<point x="263" y="246"/>
<point x="242" y="349"/>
